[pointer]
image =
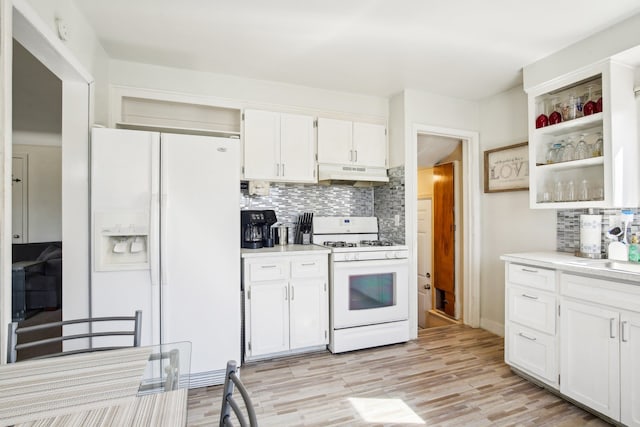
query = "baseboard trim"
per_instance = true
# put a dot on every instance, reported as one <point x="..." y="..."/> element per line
<point x="492" y="326"/>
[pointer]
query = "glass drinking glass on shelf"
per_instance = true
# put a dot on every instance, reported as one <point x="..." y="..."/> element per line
<point x="582" y="151"/>
<point x="550" y="154"/>
<point x="547" y="193"/>
<point x="569" y="108"/>
<point x="558" y="192"/>
<point x="597" y="193"/>
<point x="597" y="146"/>
<point x="598" y="96"/>
<point x="569" y="152"/>
<point x="554" y="116"/>
<point x="583" y="192"/>
<point x="542" y="120"/>
<point x="590" y="103"/>
<point x="579" y="102"/>
<point x="570" y="192"/>
<point x="559" y="151"/>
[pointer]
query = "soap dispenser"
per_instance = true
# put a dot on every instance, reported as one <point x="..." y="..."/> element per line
<point x="634" y="248"/>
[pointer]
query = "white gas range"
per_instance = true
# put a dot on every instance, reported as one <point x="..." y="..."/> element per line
<point x="369" y="285"/>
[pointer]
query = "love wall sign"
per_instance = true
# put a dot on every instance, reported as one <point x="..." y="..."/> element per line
<point x="506" y="168"/>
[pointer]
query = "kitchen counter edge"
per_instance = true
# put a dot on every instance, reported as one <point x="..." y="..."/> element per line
<point x="285" y="250"/>
<point x="571" y="263"/>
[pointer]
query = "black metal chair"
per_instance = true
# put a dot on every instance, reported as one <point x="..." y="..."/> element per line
<point x="229" y="403"/>
<point x="92" y="335"/>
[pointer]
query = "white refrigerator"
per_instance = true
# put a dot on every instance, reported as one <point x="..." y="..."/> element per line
<point x="165" y="240"/>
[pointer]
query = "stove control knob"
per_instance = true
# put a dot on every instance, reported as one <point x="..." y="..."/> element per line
<point x="398" y="255"/>
<point x="388" y="255"/>
<point x="356" y="257"/>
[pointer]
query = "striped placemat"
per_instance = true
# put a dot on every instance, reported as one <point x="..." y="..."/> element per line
<point x="36" y="389"/>
<point x="161" y="409"/>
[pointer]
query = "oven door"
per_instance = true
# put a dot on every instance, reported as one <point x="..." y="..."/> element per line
<point x="369" y="292"/>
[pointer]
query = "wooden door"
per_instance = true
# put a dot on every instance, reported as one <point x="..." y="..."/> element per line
<point x="443" y="237"/>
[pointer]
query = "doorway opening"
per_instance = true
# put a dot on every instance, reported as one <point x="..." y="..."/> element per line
<point x="469" y="219"/>
<point x="36" y="281"/>
<point x="439" y="161"/>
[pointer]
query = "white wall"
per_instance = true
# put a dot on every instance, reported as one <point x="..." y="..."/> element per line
<point x="244" y="92"/>
<point x="83" y="43"/>
<point x="44" y="191"/>
<point x="609" y="42"/>
<point x="508" y="225"/>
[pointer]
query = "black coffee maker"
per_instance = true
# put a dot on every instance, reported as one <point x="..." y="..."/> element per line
<point x="255" y="228"/>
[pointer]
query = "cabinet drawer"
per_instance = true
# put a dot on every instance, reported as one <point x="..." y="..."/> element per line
<point x="616" y="294"/>
<point x="309" y="267"/>
<point x="272" y="269"/>
<point x="533" y="352"/>
<point x="536" y="277"/>
<point x="532" y="308"/>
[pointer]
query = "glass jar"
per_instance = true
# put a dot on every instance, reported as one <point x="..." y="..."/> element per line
<point x="549" y="156"/>
<point x="570" y="192"/>
<point x="569" y="152"/>
<point x="598" y="146"/>
<point x="559" y="151"/>
<point x="569" y="108"/>
<point x="583" y="192"/>
<point x="558" y="193"/>
<point x="582" y="151"/>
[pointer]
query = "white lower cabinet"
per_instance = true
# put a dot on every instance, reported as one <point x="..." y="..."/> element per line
<point x="581" y="337"/>
<point x="530" y="322"/>
<point x="590" y="356"/>
<point x="533" y="352"/>
<point x="630" y="365"/>
<point x="286" y="304"/>
<point x="600" y="345"/>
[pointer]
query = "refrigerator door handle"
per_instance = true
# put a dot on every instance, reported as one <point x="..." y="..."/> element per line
<point x="163" y="240"/>
<point x="153" y="244"/>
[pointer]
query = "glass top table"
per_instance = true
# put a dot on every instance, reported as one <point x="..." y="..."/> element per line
<point x="111" y="387"/>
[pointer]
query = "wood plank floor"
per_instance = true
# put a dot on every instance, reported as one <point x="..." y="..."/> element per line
<point x="450" y="376"/>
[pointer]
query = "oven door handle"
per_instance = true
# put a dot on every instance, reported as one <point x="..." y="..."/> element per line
<point x="370" y="263"/>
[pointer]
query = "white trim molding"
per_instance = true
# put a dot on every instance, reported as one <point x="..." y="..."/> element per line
<point x="471" y="190"/>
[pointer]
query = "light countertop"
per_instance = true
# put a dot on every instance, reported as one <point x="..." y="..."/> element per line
<point x="285" y="250"/>
<point x="602" y="268"/>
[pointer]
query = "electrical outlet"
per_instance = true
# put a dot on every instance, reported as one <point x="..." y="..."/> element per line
<point x="397" y="220"/>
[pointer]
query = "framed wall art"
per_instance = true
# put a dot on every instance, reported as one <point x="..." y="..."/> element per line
<point x="506" y="168"/>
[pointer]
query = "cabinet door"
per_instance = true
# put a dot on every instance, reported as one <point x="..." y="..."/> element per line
<point x="630" y="369"/>
<point x="335" y="140"/>
<point x="590" y="356"/>
<point x="533" y="352"/>
<point x="297" y="148"/>
<point x="369" y="144"/>
<point x="532" y="308"/>
<point x="308" y="313"/>
<point x="267" y="318"/>
<point x="261" y="145"/>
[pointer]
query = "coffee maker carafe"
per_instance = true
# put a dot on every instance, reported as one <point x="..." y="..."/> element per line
<point x="254" y="226"/>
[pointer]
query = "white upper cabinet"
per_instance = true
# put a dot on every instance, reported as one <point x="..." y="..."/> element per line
<point x="279" y="147"/>
<point x="351" y="143"/>
<point x="583" y="142"/>
<point x="369" y="144"/>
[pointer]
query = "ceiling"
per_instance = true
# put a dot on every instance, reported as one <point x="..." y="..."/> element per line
<point x="466" y="49"/>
